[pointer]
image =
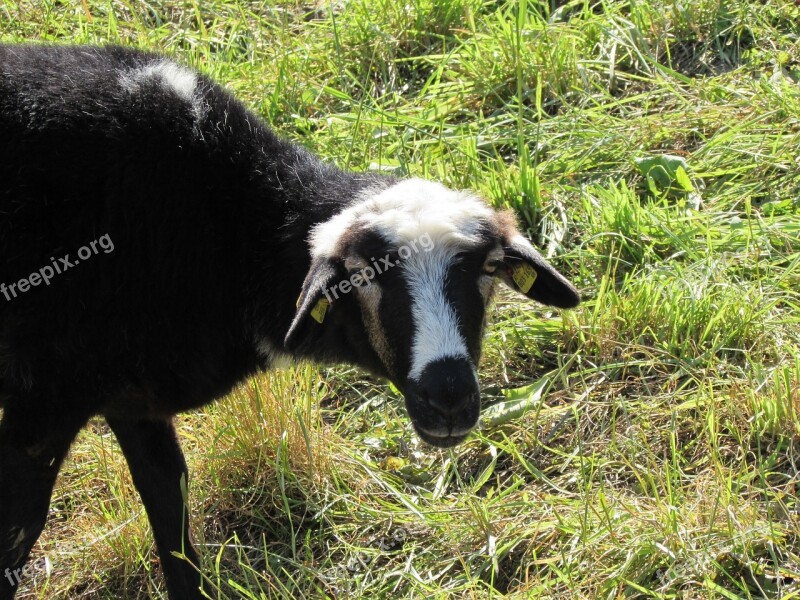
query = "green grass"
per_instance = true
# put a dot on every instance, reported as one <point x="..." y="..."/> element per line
<point x="659" y="457"/>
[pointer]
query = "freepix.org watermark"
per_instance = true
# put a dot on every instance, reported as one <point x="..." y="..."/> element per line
<point x="41" y="565"/>
<point x="367" y="274"/>
<point x="56" y="267"/>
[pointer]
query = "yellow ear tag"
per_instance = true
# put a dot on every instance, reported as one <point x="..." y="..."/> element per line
<point x="523" y="275"/>
<point x="319" y="310"/>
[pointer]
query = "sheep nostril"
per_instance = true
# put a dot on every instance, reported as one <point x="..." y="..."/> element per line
<point x="448" y="386"/>
<point x="450" y="406"/>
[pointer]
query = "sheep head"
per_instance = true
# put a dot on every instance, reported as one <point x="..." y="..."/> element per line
<point x="399" y="284"/>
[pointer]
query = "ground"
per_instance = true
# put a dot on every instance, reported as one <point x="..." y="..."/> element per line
<point x="642" y="445"/>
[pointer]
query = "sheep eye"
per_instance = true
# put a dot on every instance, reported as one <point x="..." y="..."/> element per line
<point x="352" y="272"/>
<point x="354" y="265"/>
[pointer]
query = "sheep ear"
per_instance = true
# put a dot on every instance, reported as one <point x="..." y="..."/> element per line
<point x="526" y="271"/>
<point x="313" y="303"/>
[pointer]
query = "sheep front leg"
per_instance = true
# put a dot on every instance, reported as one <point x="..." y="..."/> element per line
<point x="158" y="469"/>
<point x="34" y="439"/>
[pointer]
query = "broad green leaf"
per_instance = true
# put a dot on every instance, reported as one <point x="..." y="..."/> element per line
<point x="517" y="402"/>
<point x="665" y="171"/>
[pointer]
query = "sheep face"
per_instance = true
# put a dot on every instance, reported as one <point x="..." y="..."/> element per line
<point x="399" y="284"/>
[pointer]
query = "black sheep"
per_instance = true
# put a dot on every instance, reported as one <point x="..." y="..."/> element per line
<point x="154" y="238"/>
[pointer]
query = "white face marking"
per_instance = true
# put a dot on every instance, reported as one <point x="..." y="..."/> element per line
<point x="436" y="334"/>
<point x="407" y="211"/>
<point x="433" y="223"/>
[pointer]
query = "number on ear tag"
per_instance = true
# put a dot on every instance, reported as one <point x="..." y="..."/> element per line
<point x="319" y="310"/>
<point x="524" y="275"/>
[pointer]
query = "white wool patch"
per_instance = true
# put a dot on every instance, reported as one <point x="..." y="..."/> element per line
<point x="175" y="78"/>
<point x="19" y="539"/>
<point x="274" y="357"/>
<point x="405" y="212"/>
<point x="436" y="334"/>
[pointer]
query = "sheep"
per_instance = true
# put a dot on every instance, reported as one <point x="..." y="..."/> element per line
<point x="155" y="236"/>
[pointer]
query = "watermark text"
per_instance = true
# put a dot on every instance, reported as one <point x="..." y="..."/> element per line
<point x="40" y="565"/>
<point x="56" y="267"/>
<point x="365" y="275"/>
